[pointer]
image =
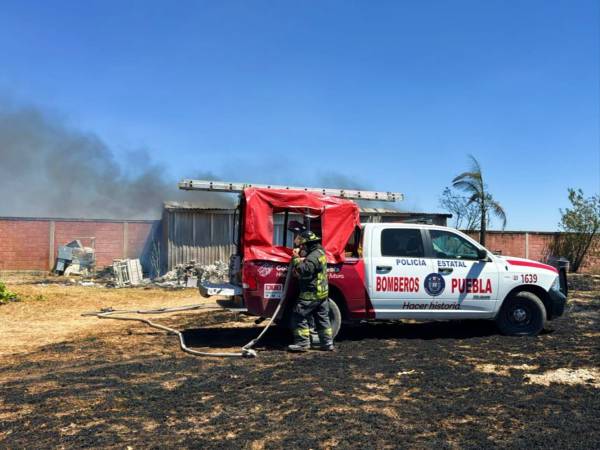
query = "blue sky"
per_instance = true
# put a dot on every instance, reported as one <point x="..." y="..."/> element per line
<point x="389" y="95"/>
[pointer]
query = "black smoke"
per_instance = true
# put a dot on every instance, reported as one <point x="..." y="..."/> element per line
<point x="50" y="170"/>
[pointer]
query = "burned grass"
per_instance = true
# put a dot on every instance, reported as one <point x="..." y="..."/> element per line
<point x="423" y="385"/>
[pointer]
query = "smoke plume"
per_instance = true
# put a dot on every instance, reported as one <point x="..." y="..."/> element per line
<point x="47" y="169"/>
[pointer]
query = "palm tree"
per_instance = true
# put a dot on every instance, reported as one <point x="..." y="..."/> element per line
<point x="472" y="183"/>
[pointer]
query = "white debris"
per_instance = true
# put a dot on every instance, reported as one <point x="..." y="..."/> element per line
<point x="128" y="272"/>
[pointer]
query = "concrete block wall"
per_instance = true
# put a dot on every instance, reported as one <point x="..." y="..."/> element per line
<point x="32" y="244"/>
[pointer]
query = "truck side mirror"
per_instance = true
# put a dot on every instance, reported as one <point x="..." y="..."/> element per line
<point x="481" y="254"/>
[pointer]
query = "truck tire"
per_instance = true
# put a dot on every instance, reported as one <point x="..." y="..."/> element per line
<point x="522" y="314"/>
<point x="335" y="317"/>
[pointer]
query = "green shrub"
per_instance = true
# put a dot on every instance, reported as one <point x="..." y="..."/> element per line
<point x="6" y="295"/>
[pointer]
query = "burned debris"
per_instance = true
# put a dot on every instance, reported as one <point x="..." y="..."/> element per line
<point x="75" y="259"/>
<point x="78" y="270"/>
<point x="191" y="273"/>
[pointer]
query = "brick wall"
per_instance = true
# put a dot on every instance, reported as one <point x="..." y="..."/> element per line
<point x="32" y="244"/>
<point x="532" y="245"/>
<point x="24" y="245"/>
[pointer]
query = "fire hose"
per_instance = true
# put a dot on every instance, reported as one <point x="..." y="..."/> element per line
<point x="246" y="352"/>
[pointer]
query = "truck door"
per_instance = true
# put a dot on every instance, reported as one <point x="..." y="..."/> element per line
<point x="397" y="269"/>
<point x="468" y="284"/>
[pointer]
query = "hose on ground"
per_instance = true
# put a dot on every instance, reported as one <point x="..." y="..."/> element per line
<point x="246" y="351"/>
<point x="282" y="301"/>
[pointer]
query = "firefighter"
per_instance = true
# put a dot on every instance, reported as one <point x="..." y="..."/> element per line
<point x="311" y="272"/>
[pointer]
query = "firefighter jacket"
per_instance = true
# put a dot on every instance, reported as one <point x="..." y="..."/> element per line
<point x="312" y="274"/>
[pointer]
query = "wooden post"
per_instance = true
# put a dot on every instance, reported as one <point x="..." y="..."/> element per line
<point x="51" y="239"/>
<point x="527" y="245"/>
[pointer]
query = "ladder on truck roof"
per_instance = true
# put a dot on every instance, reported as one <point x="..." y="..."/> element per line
<point x="351" y="194"/>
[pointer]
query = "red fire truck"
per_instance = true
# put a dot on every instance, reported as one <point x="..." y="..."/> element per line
<point x="380" y="271"/>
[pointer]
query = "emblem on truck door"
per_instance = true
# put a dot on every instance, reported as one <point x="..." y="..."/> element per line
<point x="434" y="284"/>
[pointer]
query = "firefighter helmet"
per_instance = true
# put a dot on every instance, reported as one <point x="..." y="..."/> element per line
<point x="307" y="237"/>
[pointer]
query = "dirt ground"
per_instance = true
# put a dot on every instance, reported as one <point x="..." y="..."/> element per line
<point x="68" y="381"/>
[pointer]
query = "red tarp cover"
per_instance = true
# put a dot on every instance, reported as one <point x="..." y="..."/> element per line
<point x="339" y="218"/>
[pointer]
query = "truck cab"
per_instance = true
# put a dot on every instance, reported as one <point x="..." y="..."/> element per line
<point x="431" y="272"/>
<point x="423" y="272"/>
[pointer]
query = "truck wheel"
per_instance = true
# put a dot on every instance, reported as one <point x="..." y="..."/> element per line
<point x="522" y="314"/>
<point x="335" y="317"/>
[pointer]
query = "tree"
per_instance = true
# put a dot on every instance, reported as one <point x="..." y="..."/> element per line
<point x="466" y="215"/>
<point x="472" y="184"/>
<point x="580" y="223"/>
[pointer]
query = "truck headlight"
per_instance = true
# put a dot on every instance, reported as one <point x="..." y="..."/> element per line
<point x="556" y="284"/>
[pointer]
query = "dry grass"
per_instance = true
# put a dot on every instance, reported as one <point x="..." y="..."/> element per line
<point x="51" y="313"/>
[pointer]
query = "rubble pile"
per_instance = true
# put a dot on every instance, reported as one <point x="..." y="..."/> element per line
<point x="75" y="259"/>
<point x="215" y="273"/>
<point x="128" y="272"/>
<point x="191" y="273"/>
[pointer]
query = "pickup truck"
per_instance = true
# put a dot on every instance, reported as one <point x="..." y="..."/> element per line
<point x="424" y="272"/>
<point x="386" y="271"/>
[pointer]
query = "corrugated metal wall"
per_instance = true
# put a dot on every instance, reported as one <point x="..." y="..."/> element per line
<point x="202" y="236"/>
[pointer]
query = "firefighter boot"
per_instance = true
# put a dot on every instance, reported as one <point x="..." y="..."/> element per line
<point x="327" y="348"/>
<point x="325" y="341"/>
<point x="315" y="341"/>
<point x="301" y="338"/>
<point x="297" y="348"/>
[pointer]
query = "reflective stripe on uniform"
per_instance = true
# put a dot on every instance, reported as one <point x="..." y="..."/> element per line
<point x="322" y="285"/>
<point x="302" y="332"/>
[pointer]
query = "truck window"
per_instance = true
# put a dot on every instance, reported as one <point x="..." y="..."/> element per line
<point x="279" y="230"/>
<point x="448" y="245"/>
<point x="401" y="242"/>
<point x="279" y="227"/>
<point x="353" y="246"/>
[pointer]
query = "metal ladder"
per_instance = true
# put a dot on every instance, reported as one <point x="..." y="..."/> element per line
<point x="351" y="194"/>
